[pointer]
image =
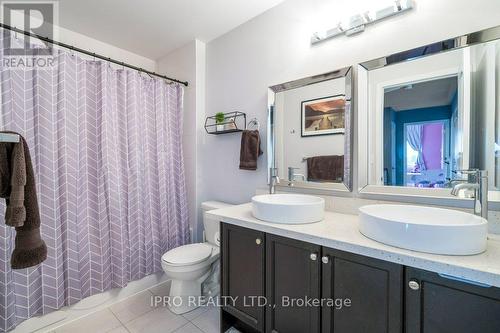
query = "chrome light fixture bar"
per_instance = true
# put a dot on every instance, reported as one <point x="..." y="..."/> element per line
<point x="356" y="24"/>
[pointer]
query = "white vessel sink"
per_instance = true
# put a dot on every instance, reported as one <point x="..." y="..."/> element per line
<point x="425" y="229"/>
<point x="288" y="208"/>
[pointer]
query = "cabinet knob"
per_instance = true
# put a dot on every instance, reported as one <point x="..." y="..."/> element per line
<point x="414" y="285"/>
<point x="314" y="256"/>
<point x="325" y="259"/>
<point x="258" y="241"/>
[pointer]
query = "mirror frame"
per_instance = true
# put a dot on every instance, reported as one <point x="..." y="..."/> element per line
<point x="346" y="185"/>
<point x="364" y="109"/>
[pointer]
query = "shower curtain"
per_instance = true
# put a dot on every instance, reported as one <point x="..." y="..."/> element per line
<point x="107" y="155"/>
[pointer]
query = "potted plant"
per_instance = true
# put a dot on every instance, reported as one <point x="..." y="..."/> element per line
<point x="220" y="118"/>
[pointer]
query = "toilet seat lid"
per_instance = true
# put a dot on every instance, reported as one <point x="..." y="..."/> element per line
<point x="188" y="254"/>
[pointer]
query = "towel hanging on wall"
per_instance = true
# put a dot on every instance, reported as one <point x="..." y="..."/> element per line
<point x="250" y="149"/>
<point x="17" y="186"/>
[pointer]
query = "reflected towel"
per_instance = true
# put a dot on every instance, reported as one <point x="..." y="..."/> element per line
<point x="250" y="149"/>
<point x="325" y="168"/>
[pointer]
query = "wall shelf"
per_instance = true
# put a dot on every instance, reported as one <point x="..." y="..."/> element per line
<point x="225" y="131"/>
<point x="234" y="122"/>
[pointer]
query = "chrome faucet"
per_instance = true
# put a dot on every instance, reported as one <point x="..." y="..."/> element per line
<point x="480" y="187"/>
<point x="273" y="180"/>
<point x="292" y="175"/>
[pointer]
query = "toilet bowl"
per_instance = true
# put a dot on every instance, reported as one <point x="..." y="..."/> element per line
<point x="189" y="265"/>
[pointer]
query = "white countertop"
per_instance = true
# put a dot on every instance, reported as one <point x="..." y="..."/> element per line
<point x="340" y="231"/>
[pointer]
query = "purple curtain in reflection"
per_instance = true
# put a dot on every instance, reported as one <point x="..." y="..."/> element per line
<point x="414" y="135"/>
<point x="107" y="153"/>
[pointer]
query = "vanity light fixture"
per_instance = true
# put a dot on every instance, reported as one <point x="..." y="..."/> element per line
<point x="356" y="24"/>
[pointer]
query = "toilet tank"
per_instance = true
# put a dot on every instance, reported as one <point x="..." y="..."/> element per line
<point x="212" y="226"/>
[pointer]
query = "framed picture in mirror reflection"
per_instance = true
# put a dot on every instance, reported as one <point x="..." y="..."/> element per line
<point x="323" y="116"/>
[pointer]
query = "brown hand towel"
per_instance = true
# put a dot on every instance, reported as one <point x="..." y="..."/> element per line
<point x="250" y="149"/>
<point x="325" y="168"/>
<point x="13" y="179"/>
<point x="17" y="186"/>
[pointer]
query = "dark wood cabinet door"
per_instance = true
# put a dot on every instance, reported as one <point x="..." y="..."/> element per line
<point x="438" y="304"/>
<point x="373" y="287"/>
<point x="292" y="275"/>
<point x="243" y="273"/>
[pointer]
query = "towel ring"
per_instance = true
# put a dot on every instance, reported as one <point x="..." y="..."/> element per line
<point x="253" y="122"/>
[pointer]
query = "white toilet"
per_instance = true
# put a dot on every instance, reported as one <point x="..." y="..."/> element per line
<point x="189" y="265"/>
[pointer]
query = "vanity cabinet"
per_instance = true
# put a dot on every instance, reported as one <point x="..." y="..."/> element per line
<point x="382" y="296"/>
<point x="293" y="271"/>
<point x="436" y="304"/>
<point x="243" y="267"/>
<point x="290" y="272"/>
<point x="373" y="288"/>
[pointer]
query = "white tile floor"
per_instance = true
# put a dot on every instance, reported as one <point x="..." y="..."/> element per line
<point x="136" y="315"/>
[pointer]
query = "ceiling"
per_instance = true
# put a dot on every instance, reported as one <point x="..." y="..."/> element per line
<point x="153" y="28"/>
<point x="421" y="95"/>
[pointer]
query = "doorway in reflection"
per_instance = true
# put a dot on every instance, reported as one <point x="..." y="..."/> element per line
<point x="427" y="154"/>
<point x="421" y="133"/>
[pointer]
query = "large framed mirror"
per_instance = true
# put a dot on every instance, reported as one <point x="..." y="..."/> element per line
<point x="429" y="113"/>
<point x="310" y="131"/>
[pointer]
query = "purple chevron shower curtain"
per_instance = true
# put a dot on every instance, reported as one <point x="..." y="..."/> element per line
<point x="106" y="148"/>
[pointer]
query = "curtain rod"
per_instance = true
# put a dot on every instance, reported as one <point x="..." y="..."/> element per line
<point x="92" y="54"/>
